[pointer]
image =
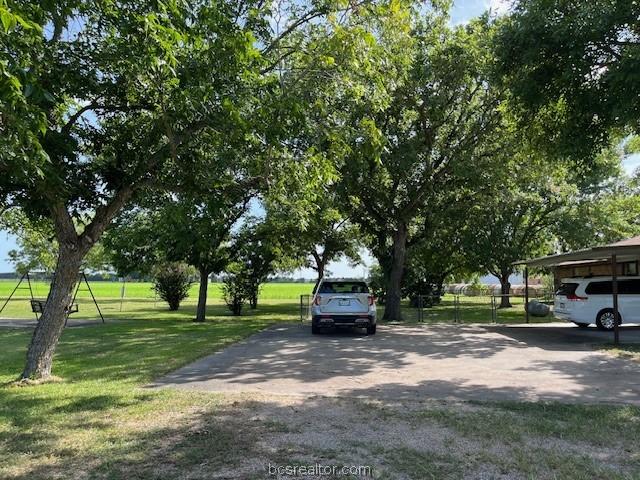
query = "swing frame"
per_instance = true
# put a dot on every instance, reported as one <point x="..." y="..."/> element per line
<point x="38" y="305"/>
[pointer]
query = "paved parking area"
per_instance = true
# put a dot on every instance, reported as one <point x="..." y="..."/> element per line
<point x="461" y="362"/>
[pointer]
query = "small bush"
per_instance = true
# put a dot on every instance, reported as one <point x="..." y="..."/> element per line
<point x="236" y="290"/>
<point x="172" y="282"/>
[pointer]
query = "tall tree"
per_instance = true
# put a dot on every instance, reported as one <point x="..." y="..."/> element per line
<point x="193" y="229"/>
<point x="196" y="231"/>
<point x="434" y="140"/>
<point x="116" y="91"/>
<point x="519" y="221"/>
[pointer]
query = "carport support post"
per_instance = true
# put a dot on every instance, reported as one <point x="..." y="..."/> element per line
<point x="614" y="290"/>
<point x="526" y="293"/>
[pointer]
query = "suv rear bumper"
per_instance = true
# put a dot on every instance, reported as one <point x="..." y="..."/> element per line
<point x="328" y="320"/>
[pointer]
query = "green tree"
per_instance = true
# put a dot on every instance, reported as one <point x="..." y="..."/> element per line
<point x="538" y="205"/>
<point x="573" y="66"/>
<point x="520" y="220"/>
<point x="433" y="143"/>
<point x="326" y="236"/>
<point x="236" y="288"/>
<point x="604" y="215"/>
<point x="172" y="281"/>
<point x="112" y="98"/>
<point x="257" y="252"/>
<point x="193" y="229"/>
<point x="197" y="232"/>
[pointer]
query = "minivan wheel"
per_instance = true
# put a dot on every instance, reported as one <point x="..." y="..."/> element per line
<point x="605" y="320"/>
<point x="582" y="325"/>
<point x="315" y="330"/>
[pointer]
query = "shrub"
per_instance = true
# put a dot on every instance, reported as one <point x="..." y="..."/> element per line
<point x="236" y="290"/>
<point x="172" y="282"/>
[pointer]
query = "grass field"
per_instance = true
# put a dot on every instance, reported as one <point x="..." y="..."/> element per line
<point x="270" y="291"/>
<point x="140" y="302"/>
<point x="99" y="421"/>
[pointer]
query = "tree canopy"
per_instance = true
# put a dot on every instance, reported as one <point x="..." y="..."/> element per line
<point x="114" y="98"/>
<point x="573" y="65"/>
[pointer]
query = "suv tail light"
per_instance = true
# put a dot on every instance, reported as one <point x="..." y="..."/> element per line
<point x="316" y="301"/>
<point x="575" y="298"/>
<point x="372" y="300"/>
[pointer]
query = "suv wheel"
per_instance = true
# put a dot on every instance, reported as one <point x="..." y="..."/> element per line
<point x="605" y="320"/>
<point x="315" y="330"/>
<point x="371" y="329"/>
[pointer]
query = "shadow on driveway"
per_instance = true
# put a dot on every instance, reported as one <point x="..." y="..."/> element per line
<point x="462" y="362"/>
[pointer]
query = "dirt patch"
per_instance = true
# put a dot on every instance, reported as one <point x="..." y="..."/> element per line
<point x="396" y="442"/>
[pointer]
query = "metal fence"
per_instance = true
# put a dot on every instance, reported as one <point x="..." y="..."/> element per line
<point x="305" y="308"/>
<point x="455" y="308"/>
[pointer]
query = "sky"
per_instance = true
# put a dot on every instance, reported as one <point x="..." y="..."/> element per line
<point x="461" y="12"/>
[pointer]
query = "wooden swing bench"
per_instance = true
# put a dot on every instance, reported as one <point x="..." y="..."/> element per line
<point x="37" y="306"/>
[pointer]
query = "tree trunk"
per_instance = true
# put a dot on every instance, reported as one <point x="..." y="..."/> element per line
<point x="201" y="311"/>
<point x="72" y="250"/>
<point x="320" y="264"/>
<point x="253" y="300"/>
<point x="505" y="289"/>
<point x="394" y="296"/>
<point x="49" y="328"/>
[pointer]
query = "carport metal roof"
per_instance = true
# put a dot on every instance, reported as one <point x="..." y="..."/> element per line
<point x="625" y="250"/>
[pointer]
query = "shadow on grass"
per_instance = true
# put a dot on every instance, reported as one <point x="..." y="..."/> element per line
<point x="238" y="440"/>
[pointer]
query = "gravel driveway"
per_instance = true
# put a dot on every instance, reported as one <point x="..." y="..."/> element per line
<point x="458" y="362"/>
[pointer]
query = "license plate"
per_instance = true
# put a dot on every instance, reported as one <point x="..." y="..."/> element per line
<point x="345" y="303"/>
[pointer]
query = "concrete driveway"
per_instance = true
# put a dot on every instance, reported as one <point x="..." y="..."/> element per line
<point x="461" y="362"/>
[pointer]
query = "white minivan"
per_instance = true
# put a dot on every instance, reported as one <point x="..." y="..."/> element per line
<point x="584" y="301"/>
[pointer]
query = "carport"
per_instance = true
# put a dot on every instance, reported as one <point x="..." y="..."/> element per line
<point x="617" y="255"/>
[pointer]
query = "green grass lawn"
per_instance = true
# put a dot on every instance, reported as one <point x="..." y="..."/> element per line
<point x="99" y="415"/>
<point x="108" y="289"/>
<point x="100" y="421"/>
<point x="139" y="302"/>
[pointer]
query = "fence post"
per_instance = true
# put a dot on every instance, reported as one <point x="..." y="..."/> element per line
<point x="494" y="313"/>
<point x="124" y="282"/>
<point x="526" y="293"/>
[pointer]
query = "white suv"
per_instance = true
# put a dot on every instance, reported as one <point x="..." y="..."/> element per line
<point x="338" y="303"/>
<point x="584" y="301"/>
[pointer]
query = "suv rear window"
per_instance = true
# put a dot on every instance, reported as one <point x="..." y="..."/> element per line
<point x="567" y="289"/>
<point x="343" y="287"/>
